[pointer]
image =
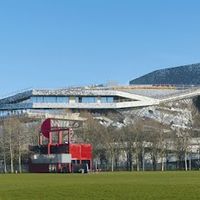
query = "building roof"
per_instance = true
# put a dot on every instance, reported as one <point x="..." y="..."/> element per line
<point x="129" y="96"/>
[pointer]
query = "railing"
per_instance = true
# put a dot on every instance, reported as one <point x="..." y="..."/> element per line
<point x="182" y="92"/>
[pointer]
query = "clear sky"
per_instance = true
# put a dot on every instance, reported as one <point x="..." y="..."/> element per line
<point x="60" y="43"/>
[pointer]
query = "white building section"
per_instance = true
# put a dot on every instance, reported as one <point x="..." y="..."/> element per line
<point x="53" y="101"/>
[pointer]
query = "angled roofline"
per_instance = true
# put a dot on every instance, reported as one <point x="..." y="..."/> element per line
<point x="135" y="100"/>
<point x="16" y="97"/>
<point x="72" y="92"/>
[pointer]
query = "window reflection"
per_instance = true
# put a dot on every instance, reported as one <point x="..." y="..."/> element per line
<point x="40" y="99"/>
<point x="88" y="99"/>
<point x="107" y="99"/>
<point x="80" y="99"/>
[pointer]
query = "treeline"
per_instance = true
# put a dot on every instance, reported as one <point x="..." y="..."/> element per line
<point x="15" y="137"/>
<point x="144" y="144"/>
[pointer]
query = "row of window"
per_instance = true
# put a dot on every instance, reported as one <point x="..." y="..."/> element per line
<point x="22" y="111"/>
<point x="13" y="112"/>
<point x="40" y="99"/>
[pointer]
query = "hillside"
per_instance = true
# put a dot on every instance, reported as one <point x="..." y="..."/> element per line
<point x="182" y="75"/>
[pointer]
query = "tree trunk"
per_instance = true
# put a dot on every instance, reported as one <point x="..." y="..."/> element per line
<point x="11" y="159"/>
<point x="154" y="163"/>
<point x="130" y="160"/>
<point x="20" y="162"/>
<point x="166" y="162"/>
<point x="138" y="163"/>
<point x="112" y="163"/>
<point x="186" y="168"/>
<point x="4" y="155"/>
<point x="143" y="160"/>
<point x="162" y="164"/>
<point x="4" y="161"/>
<point x="190" y="163"/>
<point x="19" y="154"/>
<point x="116" y="164"/>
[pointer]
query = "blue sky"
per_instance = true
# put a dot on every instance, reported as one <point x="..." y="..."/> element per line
<point x="60" y="43"/>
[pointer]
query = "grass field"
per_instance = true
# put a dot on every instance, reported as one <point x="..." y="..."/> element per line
<point x="119" y="185"/>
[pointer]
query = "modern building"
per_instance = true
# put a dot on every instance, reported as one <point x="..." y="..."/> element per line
<point x="38" y="102"/>
<point x="43" y="104"/>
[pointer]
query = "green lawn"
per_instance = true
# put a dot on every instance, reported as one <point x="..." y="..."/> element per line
<point x="119" y="185"/>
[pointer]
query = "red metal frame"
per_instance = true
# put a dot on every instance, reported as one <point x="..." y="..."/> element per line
<point x="81" y="153"/>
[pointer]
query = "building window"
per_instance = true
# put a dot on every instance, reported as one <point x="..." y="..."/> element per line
<point x="37" y="99"/>
<point x="49" y="99"/>
<point x="79" y="99"/>
<point x="88" y="99"/>
<point x="85" y="99"/>
<point x="62" y="99"/>
<point x="107" y="99"/>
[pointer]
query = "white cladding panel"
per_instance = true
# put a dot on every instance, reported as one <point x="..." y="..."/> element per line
<point x="51" y="158"/>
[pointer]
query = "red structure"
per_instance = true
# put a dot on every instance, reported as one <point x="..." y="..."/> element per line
<point x="56" y="153"/>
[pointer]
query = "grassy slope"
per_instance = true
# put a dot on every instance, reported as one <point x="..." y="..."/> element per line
<point x="148" y="185"/>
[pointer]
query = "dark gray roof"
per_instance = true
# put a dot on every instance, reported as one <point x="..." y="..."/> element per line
<point x="182" y="75"/>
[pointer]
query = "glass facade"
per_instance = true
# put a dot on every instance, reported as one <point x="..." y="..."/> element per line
<point x="20" y="109"/>
<point x="83" y="99"/>
<point x="89" y="100"/>
<point x="4" y="113"/>
<point x="65" y="99"/>
<point x="107" y="99"/>
<point x="86" y="99"/>
<point x="49" y="99"/>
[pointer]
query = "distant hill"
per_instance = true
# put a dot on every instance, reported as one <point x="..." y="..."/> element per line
<point x="182" y="75"/>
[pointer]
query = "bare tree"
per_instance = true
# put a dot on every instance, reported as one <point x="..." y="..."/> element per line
<point x="91" y="132"/>
<point x="22" y="140"/>
<point x="102" y="138"/>
<point x="182" y="144"/>
<point x="127" y="142"/>
<point x="111" y="139"/>
<point x="134" y="140"/>
<point x="16" y="137"/>
<point x="3" y="148"/>
<point x="8" y="128"/>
